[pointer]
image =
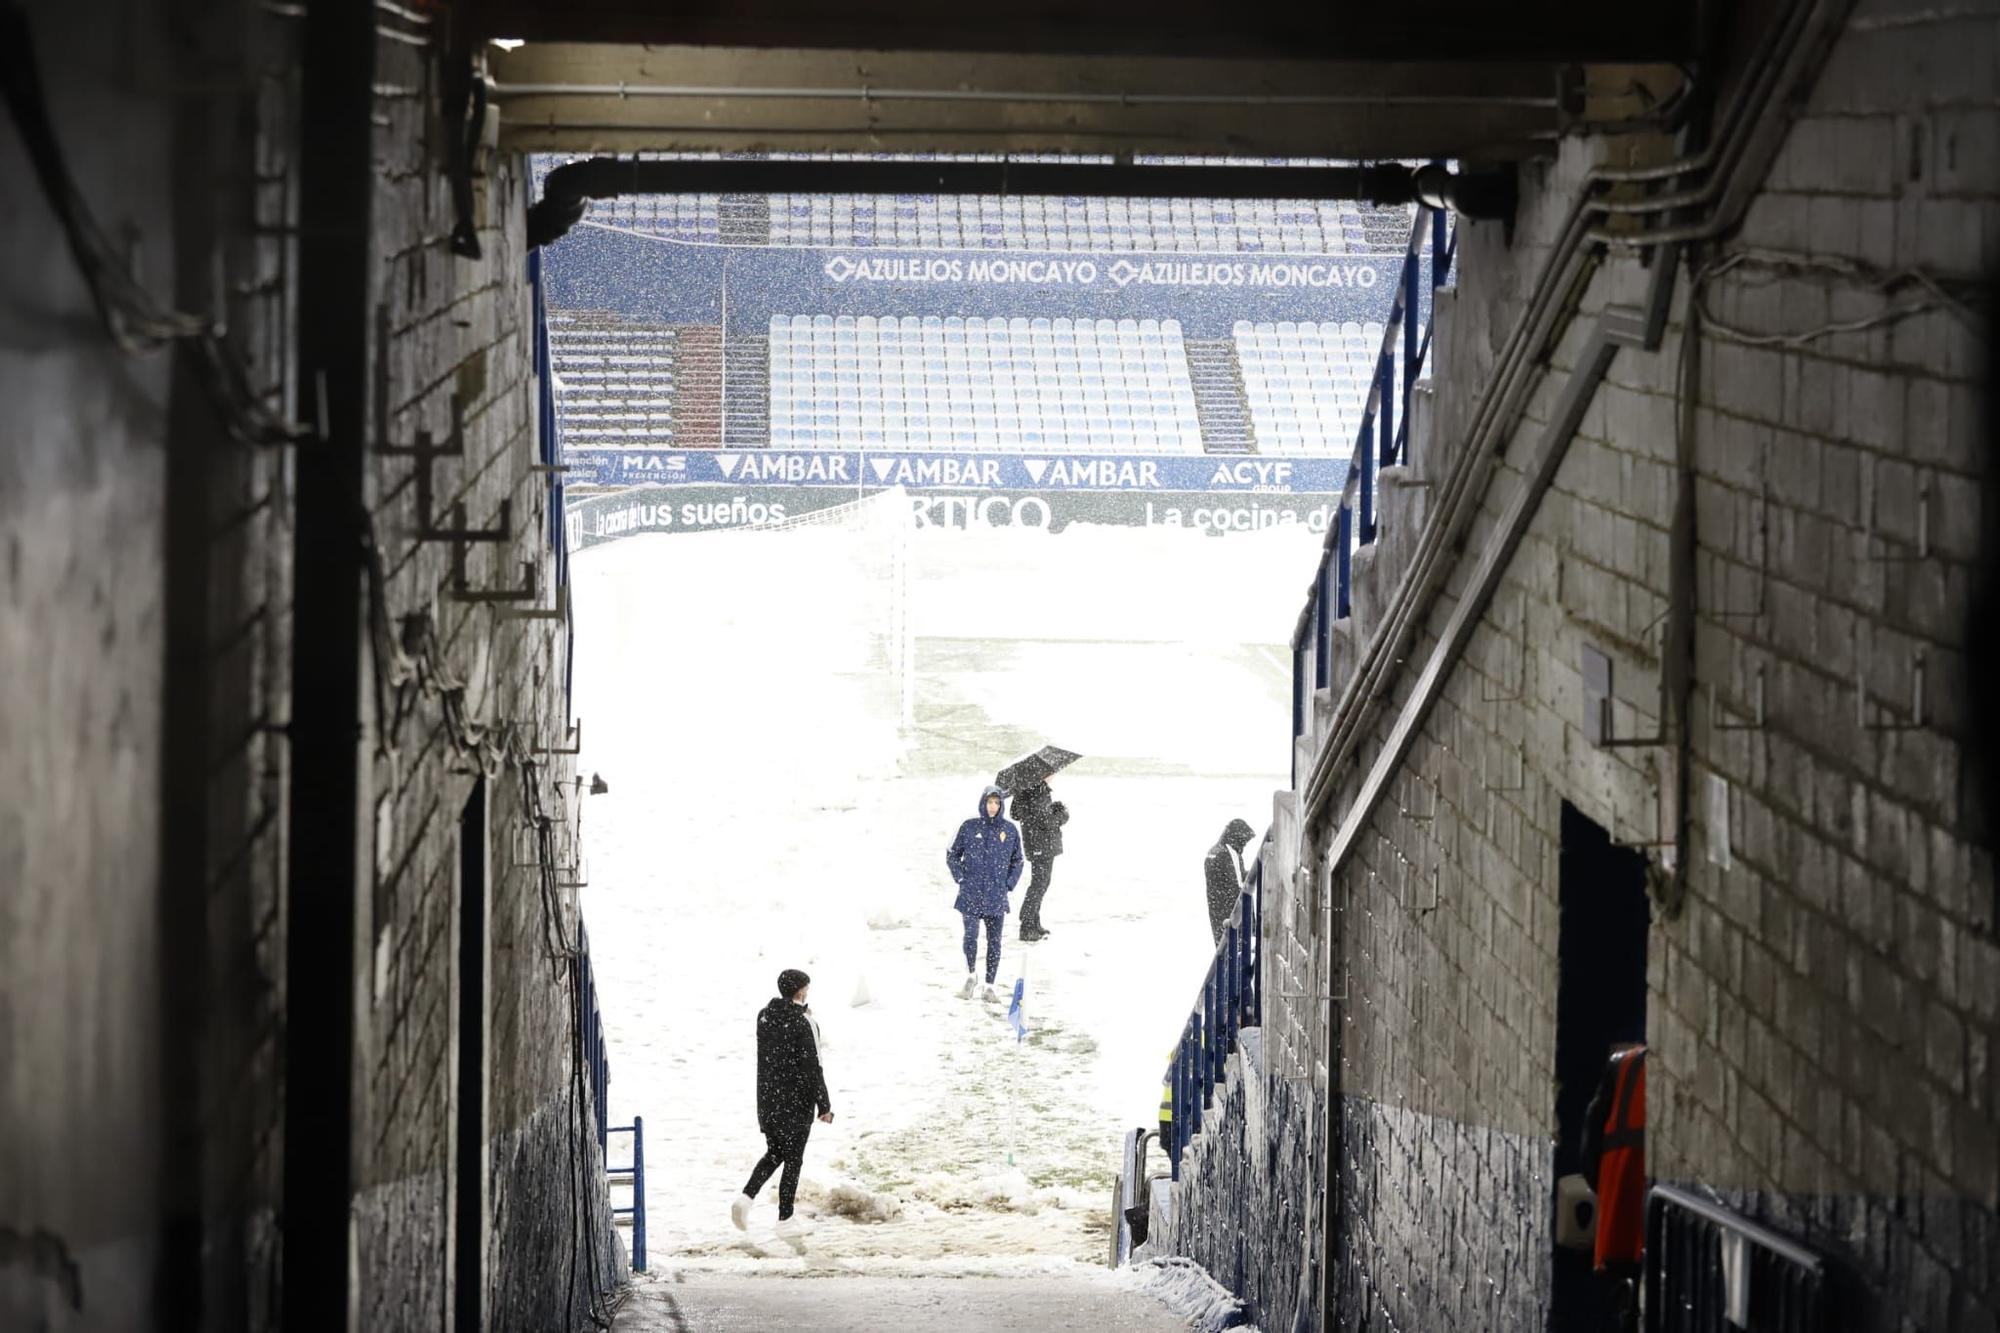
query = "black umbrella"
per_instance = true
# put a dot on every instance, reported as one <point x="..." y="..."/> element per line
<point x="1026" y="772"/>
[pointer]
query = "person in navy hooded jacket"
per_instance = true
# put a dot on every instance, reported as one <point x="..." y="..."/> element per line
<point x="985" y="861"/>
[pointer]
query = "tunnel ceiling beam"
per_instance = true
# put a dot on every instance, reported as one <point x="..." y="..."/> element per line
<point x="1522" y="30"/>
<point x="586" y="98"/>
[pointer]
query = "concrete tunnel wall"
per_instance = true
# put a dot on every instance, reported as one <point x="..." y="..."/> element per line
<point x="1823" y="1006"/>
<point x="145" y="704"/>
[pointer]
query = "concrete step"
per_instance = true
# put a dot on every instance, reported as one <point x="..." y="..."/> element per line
<point x="746" y="404"/>
<point x="1402" y="499"/>
<point x="1423" y="423"/>
<point x="1219" y="402"/>
<point x="1365" y="595"/>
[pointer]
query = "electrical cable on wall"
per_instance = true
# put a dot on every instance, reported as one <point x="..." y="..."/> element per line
<point x="410" y="667"/>
<point x="1935" y="295"/>
<point x="137" y="321"/>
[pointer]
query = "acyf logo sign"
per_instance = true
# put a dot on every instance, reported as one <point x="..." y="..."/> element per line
<point x="1251" y="473"/>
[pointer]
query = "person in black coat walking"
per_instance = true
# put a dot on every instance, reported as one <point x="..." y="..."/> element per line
<point x="1223" y="870"/>
<point x="1041" y="818"/>
<point x="791" y="1088"/>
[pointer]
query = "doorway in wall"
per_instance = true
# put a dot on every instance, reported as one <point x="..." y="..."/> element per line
<point x="469" y="1165"/>
<point x="1600" y="1001"/>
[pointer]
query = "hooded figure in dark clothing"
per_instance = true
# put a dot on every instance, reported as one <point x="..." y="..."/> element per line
<point x="985" y="863"/>
<point x="791" y="1088"/>
<point x="1042" y="818"/>
<point x="1223" y="869"/>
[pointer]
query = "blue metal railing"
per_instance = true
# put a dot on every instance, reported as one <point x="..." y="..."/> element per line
<point x="1711" y="1270"/>
<point x="598" y="1067"/>
<point x="1382" y="440"/>
<point x="636" y="1174"/>
<point x="1231" y="999"/>
<point x="596" y="1060"/>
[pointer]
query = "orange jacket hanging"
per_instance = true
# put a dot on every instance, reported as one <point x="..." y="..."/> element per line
<point x="1621" y="1171"/>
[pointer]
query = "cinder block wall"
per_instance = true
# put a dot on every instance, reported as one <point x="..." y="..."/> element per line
<point x="454" y="344"/>
<point x="1824" y="1002"/>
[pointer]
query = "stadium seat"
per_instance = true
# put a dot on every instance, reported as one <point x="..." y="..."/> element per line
<point x="1306" y="384"/>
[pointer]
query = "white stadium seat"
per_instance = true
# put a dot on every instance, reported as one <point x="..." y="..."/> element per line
<point x="973" y="382"/>
<point x="1306" y="384"/>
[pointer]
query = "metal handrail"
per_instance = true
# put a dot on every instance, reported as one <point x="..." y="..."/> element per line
<point x="637" y="1174"/>
<point x="1381" y="440"/>
<point x="597" y="1058"/>
<point x="598" y="1065"/>
<point x="1231" y="999"/>
<point x="1709" y="1268"/>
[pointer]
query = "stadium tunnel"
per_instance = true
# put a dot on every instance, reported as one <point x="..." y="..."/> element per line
<point x="1668" y="574"/>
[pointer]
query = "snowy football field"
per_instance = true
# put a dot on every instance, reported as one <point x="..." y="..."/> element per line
<point x="769" y="808"/>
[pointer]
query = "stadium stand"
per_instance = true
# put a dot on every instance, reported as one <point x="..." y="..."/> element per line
<point x="954" y="382"/>
<point x="998" y="384"/>
<point x="932" y="222"/>
<point x="624" y="384"/>
<point x="1305" y="383"/>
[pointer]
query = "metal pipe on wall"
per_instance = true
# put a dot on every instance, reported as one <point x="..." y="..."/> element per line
<point x="568" y="189"/>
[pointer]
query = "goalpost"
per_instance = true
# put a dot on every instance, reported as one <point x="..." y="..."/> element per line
<point x="878" y="528"/>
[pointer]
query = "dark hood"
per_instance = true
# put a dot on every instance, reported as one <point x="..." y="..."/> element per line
<point x="992" y="790"/>
<point x="1237" y="834"/>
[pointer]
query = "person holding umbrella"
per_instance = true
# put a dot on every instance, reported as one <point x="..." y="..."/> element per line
<point x="1042" y="818"/>
<point x="985" y="863"/>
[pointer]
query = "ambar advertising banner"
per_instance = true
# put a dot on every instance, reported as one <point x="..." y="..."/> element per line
<point x="595" y="519"/>
<point x="962" y="470"/>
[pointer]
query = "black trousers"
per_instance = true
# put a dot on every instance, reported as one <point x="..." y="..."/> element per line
<point x="786" y="1149"/>
<point x="1038" y="888"/>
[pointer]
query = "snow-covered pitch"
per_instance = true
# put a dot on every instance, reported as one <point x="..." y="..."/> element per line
<point x="773" y="804"/>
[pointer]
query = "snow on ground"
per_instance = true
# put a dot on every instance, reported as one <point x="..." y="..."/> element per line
<point x="766" y="811"/>
<point x="1184" y="1286"/>
<point x="724" y="1303"/>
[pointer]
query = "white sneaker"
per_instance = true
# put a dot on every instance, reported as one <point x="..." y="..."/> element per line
<point x="971" y="985"/>
<point x="992" y="996"/>
<point x="794" y="1226"/>
<point x="739" y="1212"/>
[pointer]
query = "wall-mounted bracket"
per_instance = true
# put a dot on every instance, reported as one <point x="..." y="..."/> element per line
<point x="459" y="535"/>
<point x="425" y="451"/>
<point x="527" y="592"/>
<point x="1598" y="727"/>
<point x="1717" y="711"/>
<point x="574" y="736"/>
<point x="558" y="612"/>
<point x="1916" y="553"/>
